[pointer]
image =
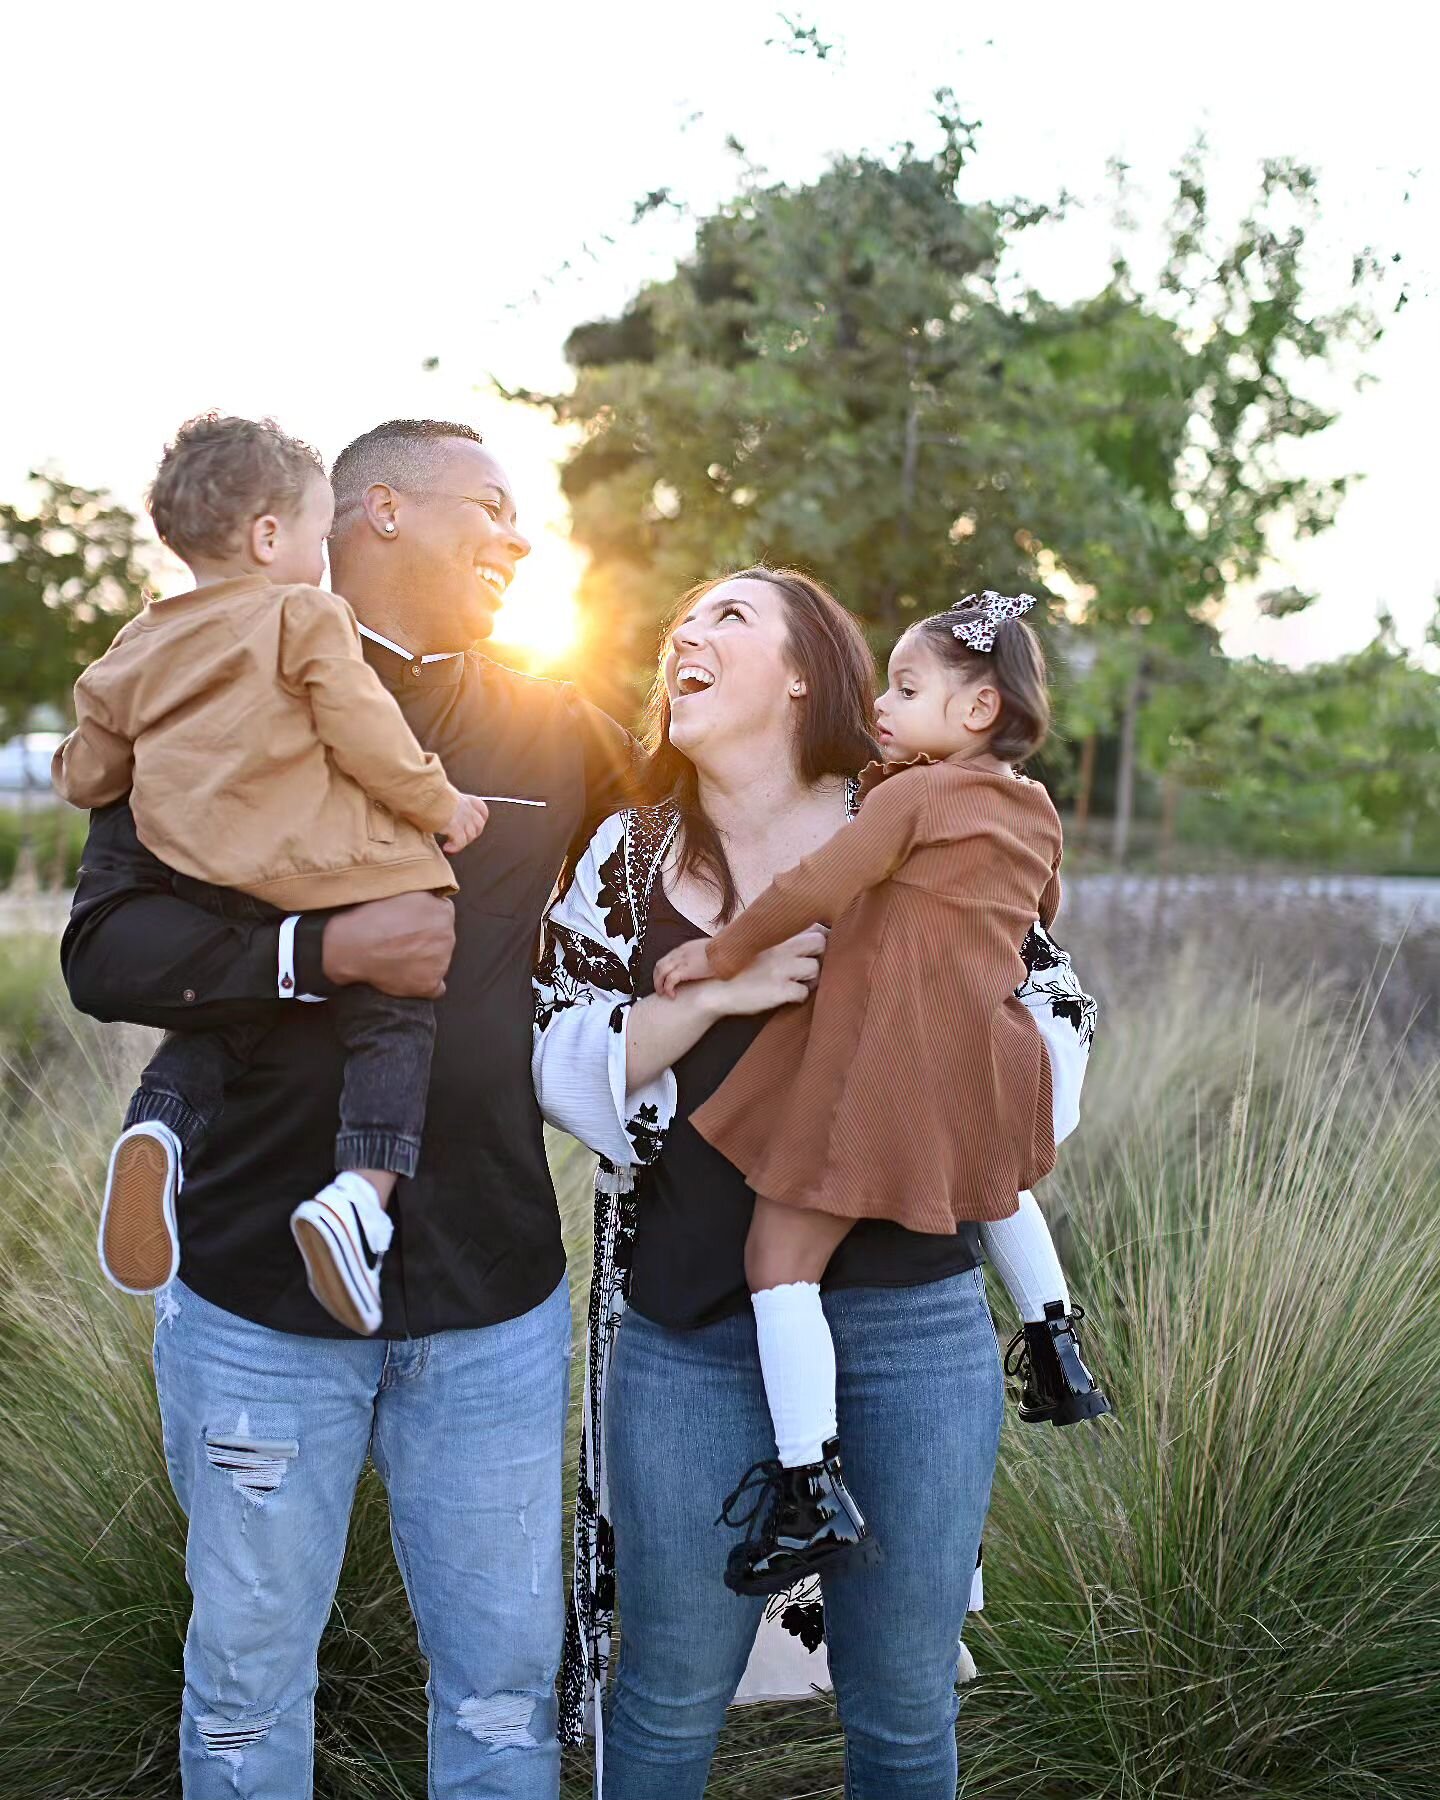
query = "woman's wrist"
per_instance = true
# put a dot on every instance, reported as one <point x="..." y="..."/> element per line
<point x="707" y="998"/>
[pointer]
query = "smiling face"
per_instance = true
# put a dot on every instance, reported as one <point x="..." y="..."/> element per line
<point x="456" y="543"/>
<point x="729" y="672"/>
<point x="931" y="710"/>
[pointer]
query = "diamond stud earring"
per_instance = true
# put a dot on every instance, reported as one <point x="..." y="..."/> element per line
<point x="390" y="527"/>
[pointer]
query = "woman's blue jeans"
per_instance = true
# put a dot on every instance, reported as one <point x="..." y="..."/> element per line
<point x="920" y="1397"/>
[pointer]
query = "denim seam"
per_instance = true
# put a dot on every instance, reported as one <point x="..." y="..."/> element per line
<point x="402" y="1556"/>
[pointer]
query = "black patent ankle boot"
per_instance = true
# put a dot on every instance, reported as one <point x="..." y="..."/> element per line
<point x="1055" y="1385"/>
<point x="804" y="1522"/>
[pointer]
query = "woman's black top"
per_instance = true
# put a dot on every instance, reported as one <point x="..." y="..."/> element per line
<point x="694" y="1207"/>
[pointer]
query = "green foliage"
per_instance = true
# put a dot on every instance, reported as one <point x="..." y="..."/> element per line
<point x="69" y="578"/>
<point x="1340" y="761"/>
<point x="1232" y="1592"/>
<point x="841" y="376"/>
<point x="56" y="836"/>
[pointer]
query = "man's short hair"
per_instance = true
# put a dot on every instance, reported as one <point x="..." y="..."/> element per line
<point x="402" y="453"/>
<point x="219" y="475"/>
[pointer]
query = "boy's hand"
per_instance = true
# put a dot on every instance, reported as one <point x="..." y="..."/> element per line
<point x="466" y="824"/>
<point x="691" y="962"/>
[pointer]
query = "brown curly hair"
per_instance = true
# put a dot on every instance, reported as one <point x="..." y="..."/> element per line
<point x="219" y="475"/>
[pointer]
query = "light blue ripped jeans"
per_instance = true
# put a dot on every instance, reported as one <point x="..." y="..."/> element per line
<point x="266" y="1434"/>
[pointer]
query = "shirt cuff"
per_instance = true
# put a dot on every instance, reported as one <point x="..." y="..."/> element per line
<point x="299" y="973"/>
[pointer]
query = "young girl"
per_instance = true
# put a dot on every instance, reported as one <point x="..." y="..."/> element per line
<point x="916" y="1087"/>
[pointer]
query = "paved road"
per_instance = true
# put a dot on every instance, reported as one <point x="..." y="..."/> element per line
<point x="1401" y="897"/>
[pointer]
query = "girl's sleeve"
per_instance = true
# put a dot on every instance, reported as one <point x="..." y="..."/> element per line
<point x="1050" y="899"/>
<point x="860" y="855"/>
<point x="584" y="989"/>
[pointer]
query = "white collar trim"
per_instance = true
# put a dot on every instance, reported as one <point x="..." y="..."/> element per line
<point x="399" y="650"/>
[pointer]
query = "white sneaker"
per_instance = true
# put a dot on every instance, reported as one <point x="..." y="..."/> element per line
<point x="343" y="1234"/>
<point x="138" y="1243"/>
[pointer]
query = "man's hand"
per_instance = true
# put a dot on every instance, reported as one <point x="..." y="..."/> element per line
<point x="466" y="824"/>
<point x="402" y="946"/>
<point x="690" y="962"/>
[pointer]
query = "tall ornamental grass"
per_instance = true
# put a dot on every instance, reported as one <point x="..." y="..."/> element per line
<point x="1231" y="1591"/>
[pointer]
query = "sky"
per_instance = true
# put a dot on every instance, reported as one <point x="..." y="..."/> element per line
<point x="288" y="209"/>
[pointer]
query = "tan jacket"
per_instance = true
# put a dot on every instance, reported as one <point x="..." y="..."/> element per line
<point x="259" y="749"/>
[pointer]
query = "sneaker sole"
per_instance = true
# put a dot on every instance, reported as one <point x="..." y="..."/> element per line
<point x="835" y="1562"/>
<point x="139" y="1249"/>
<point x="323" y="1249"/>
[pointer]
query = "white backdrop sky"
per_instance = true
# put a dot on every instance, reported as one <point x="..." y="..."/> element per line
<point x="287" y="208"/>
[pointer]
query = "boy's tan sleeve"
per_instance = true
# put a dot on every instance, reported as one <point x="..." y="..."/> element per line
<point x="860" y="855"/>
<point x="96" y="763"/>
<point x="355" y="718"/>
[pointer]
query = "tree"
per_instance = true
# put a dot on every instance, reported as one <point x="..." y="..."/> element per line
<point x="1330" y="761"/>
<point x="837" y="377"/>
<point x="70" y="576"/>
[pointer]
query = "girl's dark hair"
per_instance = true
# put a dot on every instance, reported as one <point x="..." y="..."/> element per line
<point x="1015" y="663"/>
<point x="833" y="736"/>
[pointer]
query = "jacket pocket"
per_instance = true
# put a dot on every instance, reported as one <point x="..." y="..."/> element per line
<point x="379" y="821"/>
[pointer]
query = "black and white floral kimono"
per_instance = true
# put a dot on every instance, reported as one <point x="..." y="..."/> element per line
<point x="584" y="989"/>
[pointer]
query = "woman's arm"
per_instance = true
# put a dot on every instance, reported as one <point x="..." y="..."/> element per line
<point x="1065" y="1015"/>
<point x="584" y="995"/>
<point x="661" y="1031"/>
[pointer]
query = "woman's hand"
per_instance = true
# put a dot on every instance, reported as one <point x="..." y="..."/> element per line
<point x="660" y="1031"/>
<point x="690" y="962"/>
<point x="783" y="976"/>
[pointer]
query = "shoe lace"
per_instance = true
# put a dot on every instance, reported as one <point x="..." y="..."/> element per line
<point x="758" y="1483"/>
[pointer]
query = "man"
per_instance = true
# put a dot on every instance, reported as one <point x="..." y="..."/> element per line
<point x="269" y="1407"/>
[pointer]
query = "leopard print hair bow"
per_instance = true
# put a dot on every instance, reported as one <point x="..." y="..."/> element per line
<point x="978" y="616"/>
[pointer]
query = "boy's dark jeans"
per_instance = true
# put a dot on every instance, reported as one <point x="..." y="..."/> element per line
<point x="388" y="1043"/>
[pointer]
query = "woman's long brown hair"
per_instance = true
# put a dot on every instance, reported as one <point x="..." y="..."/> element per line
<point x="834" y="734"/>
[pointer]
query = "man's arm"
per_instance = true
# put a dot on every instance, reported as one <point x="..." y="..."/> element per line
<point x="135" y="949"/>
<point x="612" y="762"/>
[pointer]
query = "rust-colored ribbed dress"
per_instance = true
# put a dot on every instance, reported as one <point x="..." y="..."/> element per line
<point x="913" y="1086"/>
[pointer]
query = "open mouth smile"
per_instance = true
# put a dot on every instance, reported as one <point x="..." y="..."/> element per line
<point x="692" y="678"/>
<point x="495" y="578"/>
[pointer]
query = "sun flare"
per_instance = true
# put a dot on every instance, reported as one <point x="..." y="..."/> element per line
<point x="540" y="617"/>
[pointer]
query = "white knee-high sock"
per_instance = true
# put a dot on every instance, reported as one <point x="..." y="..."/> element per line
<point x="1023" y="1253"/>
<point x="797" y="1360"/>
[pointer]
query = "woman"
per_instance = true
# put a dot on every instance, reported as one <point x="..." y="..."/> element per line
<point x="761" y="720"/>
